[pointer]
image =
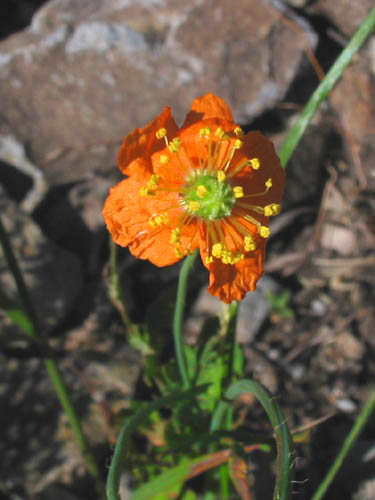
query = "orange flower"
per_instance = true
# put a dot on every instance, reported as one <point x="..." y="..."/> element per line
<point x="205" y="185"/>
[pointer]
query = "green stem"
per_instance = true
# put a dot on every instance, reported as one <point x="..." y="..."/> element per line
<point x="179" y="315"/>
<point x="357" y="428"/>
<point x="228" y="332"/>
<point x="51" y="364"/>
<point x="325" y="87"/>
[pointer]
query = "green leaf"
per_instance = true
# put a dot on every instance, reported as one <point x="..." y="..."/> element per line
<point x="284" y="442"/>
<point x="123" y="441"/>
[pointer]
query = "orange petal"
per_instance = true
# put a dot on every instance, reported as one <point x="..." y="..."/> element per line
<point x="258" y="146"/>
<point x="123" y="213"/>
<point x="155" y="246"/>
<point x="231" y="282"/>
<point x="208" y="106"/>
<point x="127" y="218"/>
<point x="142" y="143"/>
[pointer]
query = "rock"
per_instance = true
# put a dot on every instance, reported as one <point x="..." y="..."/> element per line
<point x="52" y="275"/>
<point x="13" y="153"/>
<point x="345" y="14"/>
<point x="83" y="75"/>
<point x="348" y="346"/>
<point x="340" y="239"/>
<point x="253" y="310"/>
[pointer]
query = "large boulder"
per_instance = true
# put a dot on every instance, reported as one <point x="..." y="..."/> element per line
<point x="84" y="74"/>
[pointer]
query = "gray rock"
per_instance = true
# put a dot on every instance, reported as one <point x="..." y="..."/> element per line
<point x="85" y="74"/>
<point x="52" y="275"/>
<point x="13" y="153"/>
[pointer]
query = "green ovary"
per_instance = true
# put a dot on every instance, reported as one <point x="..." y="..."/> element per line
<point x="215" y="198"/>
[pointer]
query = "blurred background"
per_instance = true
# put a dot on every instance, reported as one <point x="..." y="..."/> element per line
<point x="75" y="79"/>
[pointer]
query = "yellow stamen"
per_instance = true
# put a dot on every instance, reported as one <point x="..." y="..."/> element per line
<point x="153" y="182"/>
<point x="164" y="159"/>
<point x="219" y="132"/>
<point x="178" y="252"/>
<point x="249" y="243"/>
<point x="174" y="145"/>
<point x="205" y="132"/>
<point x="162" y="132"/>
<point x="175" y="236"/>
<point x="221" y="176"/>
<point x="194" y="205"/>
<point x="238" y="144"/>
<point x="268" y="183"/>
<point x="239" y="132"/>
<point x="217" y="250"/>
<point x="201" y="191"/>
<point x="238" y="191"/>
<point x="255" y="163"/>
<point x="264" y="231"/>
<point x="144" y="191"/>
<point x="272" y="209"/>
<point x="209" y="260"/>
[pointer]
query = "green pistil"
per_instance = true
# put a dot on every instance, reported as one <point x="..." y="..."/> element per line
<point x="215" y="198"/>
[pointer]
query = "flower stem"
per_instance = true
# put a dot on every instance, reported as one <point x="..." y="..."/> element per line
<point x="178" y="317"/>
<point x="36" y="334"/>
<point x="325" y="87"/>
<point x="357" y="428"/>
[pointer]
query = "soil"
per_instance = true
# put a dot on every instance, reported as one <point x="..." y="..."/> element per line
<point x="318" y="348"/>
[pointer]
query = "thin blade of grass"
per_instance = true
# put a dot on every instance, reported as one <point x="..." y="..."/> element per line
<point x="325" y="87"/>
<point x="357" y="428"/>
<point x="16" y="314"/>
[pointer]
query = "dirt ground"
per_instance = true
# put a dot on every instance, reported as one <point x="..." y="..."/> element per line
<point x="315" y="345"/>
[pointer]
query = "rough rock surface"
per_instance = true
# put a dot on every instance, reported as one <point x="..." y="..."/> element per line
<point x="86" y="73"/>
<point x="52" y="274"/>
<point x="345" y="14"/>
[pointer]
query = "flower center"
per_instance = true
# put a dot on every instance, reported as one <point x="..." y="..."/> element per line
<point x="209" y="197"/>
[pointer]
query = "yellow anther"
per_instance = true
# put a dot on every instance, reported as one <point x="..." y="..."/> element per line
<point x="221" y="176"/>
<point x="217" y="250"/>
<point x="219" y="132"/>
<point x="174" y="145"/>
<point x="164" y="159"/>
<point x="238" y="144"/>
<point x="157" y="220"/>
<point x="249" y="244"/>
<point x="272" y="209"/>
<point x="178" y="252"/>
<point x="201" y="191"/>
<point x="205" y="132"/>
<point x="238" y="191"/>
<point x="268" y="183"/>
<point x="143" y="191"/>
<point x="162" y="132"/>
<point x="255" y="163"/>
<point x="153" y="182"/>
<point x="239" y="132"/>
<point x="264" y="231"/>
<point x="209" y="260"/>
<point x="175" y="236"/>
<point x="194" y="205"/>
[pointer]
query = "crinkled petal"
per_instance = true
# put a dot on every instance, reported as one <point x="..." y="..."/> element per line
<point x="208" y="106"/>
<point x="127" y="214"/>
<point x="142" y="143"/>
<point x="256" y="145"/>
<point x="231" y="282"/>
